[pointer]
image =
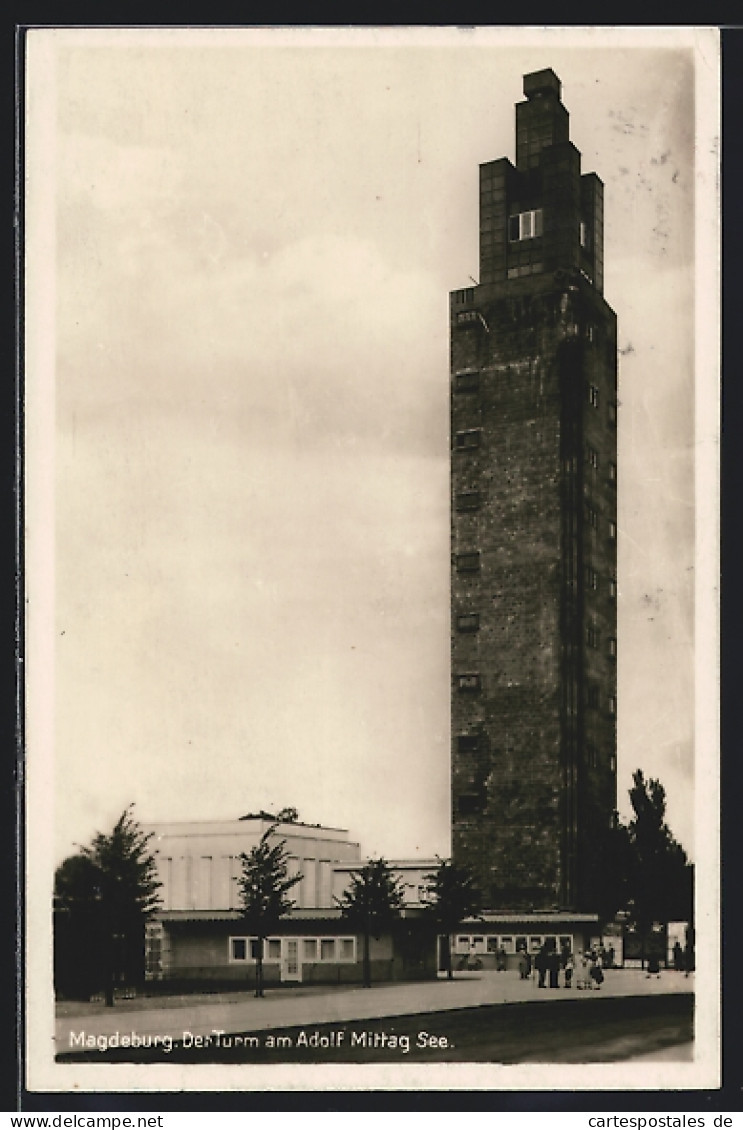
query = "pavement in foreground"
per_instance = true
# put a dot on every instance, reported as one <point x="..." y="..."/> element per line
<point x="281" y="1008"/>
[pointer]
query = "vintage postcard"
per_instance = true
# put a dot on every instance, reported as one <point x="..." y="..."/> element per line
<point x="371" y="398"/>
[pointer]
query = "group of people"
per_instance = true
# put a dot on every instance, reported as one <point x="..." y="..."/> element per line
<point x="587" y="968"/>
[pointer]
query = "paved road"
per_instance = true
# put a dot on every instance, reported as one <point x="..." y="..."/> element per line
<point x="242" y="1012"/>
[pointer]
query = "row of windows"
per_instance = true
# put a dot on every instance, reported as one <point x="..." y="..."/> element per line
<point x="593" y="582"/>
<point x="592" y="458"/>
<point x="592" y="393"/>
<point x="593" y="699"/>
<point x="526" y="269"/>
<point x="511" y="943"/>
<point x="592" y="518"/>
<point x="593" y="638"/>
<point x="470" y="563"/>
<point x="592" y="757"/>
<point x="311" y="949"/>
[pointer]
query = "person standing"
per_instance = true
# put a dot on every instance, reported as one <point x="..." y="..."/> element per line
<point x="553" y="966"/>
<point x="524" y="964"/>
<point x="540" y="963"/>
<point x="569" y="966"/>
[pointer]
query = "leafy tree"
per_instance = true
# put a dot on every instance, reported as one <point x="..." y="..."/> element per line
<point x="372" y="903"/>
<point x="451" y="897"/>
<point x="264" y="887"/>
<point x="661" y="879"/>
<point x="111" y="888"/>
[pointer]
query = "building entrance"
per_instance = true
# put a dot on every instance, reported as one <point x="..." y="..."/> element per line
<point x="291" y="966"/>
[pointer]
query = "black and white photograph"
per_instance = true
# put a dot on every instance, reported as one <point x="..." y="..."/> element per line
<point x="371" y="405"/>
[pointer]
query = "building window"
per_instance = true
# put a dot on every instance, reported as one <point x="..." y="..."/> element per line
<point x="613" y="473"/>
<point x="592" y="578"/>
<point x="468" y="500"/>
<point x="591" y="755"/>
<point x="593" y="457"/>
<point x="468" y="682"/>
<point x="238" y="949"/>
<point x="612" y="643"/>
<point x="327" y="949"/>
<point x="612" y="413"/>
<point x="462" y="297"/>
<point x="466" y="382"/>
<point x="593" y="396"/>
<point x="348" y="949"/>
<point x="309" y="949"/>
<point x="525" y="225"/>
<point x="585" y="235"/>
<point x="612" y="705"/>
<point x="613" y="763"/>
<point x="468" y="622"/>
<point x="592" y="635"/>
<point x="612" y="531"/>
<point x="465" y="441"/>
<point x="613" y="588"/>
<point x="468" y="562"/>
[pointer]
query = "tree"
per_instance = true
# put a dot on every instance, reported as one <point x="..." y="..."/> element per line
<point x="372" y="903"/>
<point x="661" y="881"/>
<point x="264" y="887"/>
<point x="451" y="897"/>
<point x="111" y="888"/>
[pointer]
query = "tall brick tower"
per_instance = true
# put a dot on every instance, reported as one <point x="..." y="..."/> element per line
<point x="533" y="527"/>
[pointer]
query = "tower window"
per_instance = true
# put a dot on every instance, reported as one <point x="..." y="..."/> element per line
<point x="468" y="562"/>
<point x="468" y="743"/>
<point x="613" y="473"/>
<point x="466" y="382"/>
<point x="468" y="622"/>
<point x="592" y="635"/>
<point x="593" y="457"/>
<point x="469" y="804"/>
<point x="592" y="516"/>
<point x="468" y="682"/>
<point x="613" y="588"/>
<point x="612" y="705"/>
<point x="612" y="645"/>
<point x="612" y="530"/>
<point x="461" y="297"/>
<point x="525" y="225"/>
<point x="469" y="500"/>
<point x="612" y="413"/>
<point x="592" y="578"/>
<point x="585" y="235"/>
<point x="593" y="396"/>
<point x="465" y="441"/>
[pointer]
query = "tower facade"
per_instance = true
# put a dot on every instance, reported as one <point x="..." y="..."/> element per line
<point x="533" y="527"/>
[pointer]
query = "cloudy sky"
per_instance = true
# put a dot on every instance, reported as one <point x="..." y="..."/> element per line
<point x="252" y="239"/>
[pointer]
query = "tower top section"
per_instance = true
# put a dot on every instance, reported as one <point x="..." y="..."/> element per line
<point x="541" y="121"/>
<point x="541" y="215"/>
<point x="539" y="84"/>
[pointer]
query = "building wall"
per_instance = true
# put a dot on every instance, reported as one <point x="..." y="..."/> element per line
<point x="199" y="864"/>
<point x="533" y="530"/>
<point x="200" y="951"/>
